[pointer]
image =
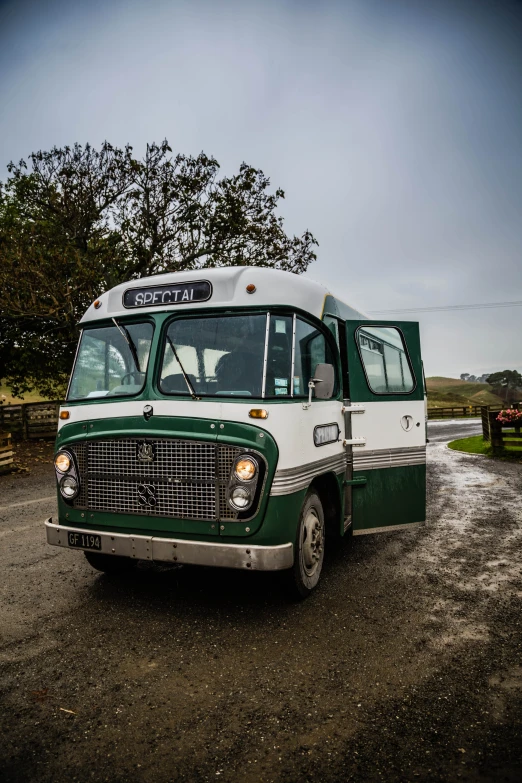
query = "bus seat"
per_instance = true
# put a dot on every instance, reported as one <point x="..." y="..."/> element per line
<point x="177" y="383"/>
<point x="238" y="371"/>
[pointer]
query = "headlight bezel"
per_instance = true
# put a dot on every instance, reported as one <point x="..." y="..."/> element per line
<point x="69" y="477"/>
<point x="252" y="485"/>
<point x="71" y="472"/>
<point x="233" y="497"/>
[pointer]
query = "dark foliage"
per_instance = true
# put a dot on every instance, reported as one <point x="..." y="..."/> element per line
<point x="507" y="384"/>
<point x="78" y="221"/>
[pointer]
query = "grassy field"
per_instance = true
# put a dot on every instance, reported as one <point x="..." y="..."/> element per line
<point x="476" y="445"/>
<point x="12" y="400"/>
<point x="444" y="392"/>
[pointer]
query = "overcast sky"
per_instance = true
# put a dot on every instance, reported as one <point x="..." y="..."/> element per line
<point x="394" y="127"/>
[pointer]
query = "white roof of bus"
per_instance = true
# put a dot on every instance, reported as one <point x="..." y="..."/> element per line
<point x="273" y="287"/>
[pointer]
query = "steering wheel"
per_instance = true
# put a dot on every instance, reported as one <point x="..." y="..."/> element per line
<point x="132" y="378"/>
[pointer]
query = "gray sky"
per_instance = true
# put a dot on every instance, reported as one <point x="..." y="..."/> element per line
<point x="394" y="127"/>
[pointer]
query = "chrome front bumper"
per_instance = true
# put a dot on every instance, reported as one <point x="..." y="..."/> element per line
<point x="176" y="550"/>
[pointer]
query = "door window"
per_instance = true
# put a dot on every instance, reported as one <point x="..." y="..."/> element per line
<point x="311" y="349"/>
<point x="385" y="360"/>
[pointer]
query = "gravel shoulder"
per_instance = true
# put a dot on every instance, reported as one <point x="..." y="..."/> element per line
<point x="405" y="665"/>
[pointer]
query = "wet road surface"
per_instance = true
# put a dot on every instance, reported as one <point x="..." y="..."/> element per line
<point x="405" y="665"/>
<point x="451" y="429"/>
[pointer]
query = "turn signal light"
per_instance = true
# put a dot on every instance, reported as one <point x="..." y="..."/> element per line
<point x="258" y="413"/>
<point x="64" y="414"/>
<point x="97" y="304"/>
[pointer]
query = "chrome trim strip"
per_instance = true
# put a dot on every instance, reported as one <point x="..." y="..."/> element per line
<point x="293" y="357"/>
<point x="386" y="528"/>
<point x="73" y="369"/>
<point x="176" y="550"/>
<point x="293" y="479"/>
<point x="389" y="458"/>
<point x="265" y="357"/>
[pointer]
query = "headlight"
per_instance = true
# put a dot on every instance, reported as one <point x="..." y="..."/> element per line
<point x="243" y="491"/>
<point x="245" y="469"/>
<point x="240" y="497"/>
<point x="68" y="487"/>
<point x="62" y="462"/>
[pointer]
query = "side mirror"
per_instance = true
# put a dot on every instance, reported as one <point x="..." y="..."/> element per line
<point x="324" y="380"/>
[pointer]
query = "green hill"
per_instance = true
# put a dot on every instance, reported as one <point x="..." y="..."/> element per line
<point x="452" y="391"/>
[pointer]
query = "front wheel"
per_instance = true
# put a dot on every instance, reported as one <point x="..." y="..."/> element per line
<point x="110" y="564"/>
<point x="309" y="548"/>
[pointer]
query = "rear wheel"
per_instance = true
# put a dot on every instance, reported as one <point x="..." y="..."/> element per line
<point x="309" y="548"/>
<point x="110" y="564"/>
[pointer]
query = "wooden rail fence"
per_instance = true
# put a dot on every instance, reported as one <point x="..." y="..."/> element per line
<point x="30" y="420"/>
<point x="457" y="411"/>
<point x="6" y="452"/>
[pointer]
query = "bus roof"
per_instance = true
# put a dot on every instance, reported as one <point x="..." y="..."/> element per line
<point x="228" y="289"/>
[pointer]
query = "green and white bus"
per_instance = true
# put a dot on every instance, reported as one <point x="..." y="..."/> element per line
<point x="239" y="417"/>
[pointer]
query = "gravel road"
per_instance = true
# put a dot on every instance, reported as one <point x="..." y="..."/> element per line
<point x="405" y="665"/>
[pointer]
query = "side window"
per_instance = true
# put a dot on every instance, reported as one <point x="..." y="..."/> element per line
<point x="333" y="325"/>
<point x="311" y="349"/>
<point x="385" y="360"/>
<point x="279" y="356"/>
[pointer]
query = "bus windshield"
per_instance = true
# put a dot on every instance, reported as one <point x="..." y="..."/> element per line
<point x="112" y="361"/>
<point x="220" y="355"/>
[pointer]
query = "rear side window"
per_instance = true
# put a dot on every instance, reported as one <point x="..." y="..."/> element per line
<point x="385" y="360"/>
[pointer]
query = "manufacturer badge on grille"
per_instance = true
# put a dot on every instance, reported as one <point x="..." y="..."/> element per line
<point x="145" y="451"/>
<point x="147" y="495"/>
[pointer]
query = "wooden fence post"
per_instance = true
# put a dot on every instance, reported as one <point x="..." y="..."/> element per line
<point x="495" y="429"/>
<point x="484" y="414"/>
<point x="25" y="422"/>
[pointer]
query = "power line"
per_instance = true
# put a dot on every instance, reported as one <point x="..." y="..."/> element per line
<point x="483" y="306"/>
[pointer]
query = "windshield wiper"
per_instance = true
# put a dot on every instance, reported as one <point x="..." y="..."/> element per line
<point x="128" y="340"/>
<point x="187" y="379"/>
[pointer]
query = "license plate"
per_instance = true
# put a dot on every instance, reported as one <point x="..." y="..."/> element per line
<point x="84" y="541"/>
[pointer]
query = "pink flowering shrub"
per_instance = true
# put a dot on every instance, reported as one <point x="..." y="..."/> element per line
<point x="510" y="416"/>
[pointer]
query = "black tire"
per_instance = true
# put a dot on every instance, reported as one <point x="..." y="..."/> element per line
<point x="304" y="575"/>
<point x="110" y="564"/>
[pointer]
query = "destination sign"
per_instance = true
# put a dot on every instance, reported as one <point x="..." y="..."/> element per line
<point x="180" y="293"/>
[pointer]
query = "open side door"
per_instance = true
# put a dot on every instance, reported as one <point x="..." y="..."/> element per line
<point x="385" y="425"/>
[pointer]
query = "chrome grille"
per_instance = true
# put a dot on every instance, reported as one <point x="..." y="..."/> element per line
<point x="188" y="478"/>
<point x="184" y="459"/>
